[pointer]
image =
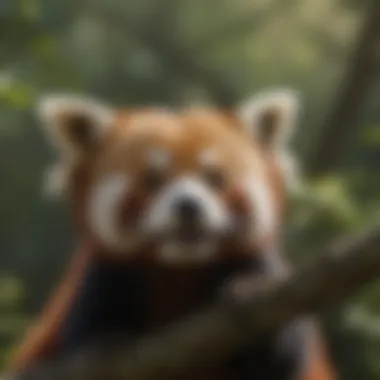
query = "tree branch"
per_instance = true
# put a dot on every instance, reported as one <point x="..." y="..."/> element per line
<point x="352" y="94"/>
<point x="210" y="337"/>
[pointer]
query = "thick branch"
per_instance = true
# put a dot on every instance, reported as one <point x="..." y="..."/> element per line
<point x="210" y="337"/>
<point x="352" y="94"/>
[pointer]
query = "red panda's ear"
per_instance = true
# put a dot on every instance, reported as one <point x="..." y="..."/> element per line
<point x="74" y="124"/>
<point x="270" y="119"/>
<point x="270" y="116"/>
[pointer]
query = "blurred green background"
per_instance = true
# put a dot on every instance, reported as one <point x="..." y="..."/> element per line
<point x="176" y="52"/>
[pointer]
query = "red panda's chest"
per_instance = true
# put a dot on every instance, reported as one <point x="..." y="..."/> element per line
<point x="174" y="293"/>
<point x="143" y="297"/>
<point x="135" y="299"/>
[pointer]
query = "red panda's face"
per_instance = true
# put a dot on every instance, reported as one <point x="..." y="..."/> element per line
<point x="186" y="183"/>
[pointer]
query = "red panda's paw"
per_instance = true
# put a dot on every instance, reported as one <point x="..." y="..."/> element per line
<point x="278" y="355"/>
<point x="106" y="344"/>
<point x="244" y="287"/>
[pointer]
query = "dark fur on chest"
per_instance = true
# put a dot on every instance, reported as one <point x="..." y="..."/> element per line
<point x="134" y="298"/>
<point x="124" y="301"/>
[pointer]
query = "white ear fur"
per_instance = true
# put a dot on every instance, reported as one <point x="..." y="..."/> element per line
<point x="281" y="104"/>
<point x="291" y="169"/>
<point x="284" y="105"/>
<point x="53" y="109"/>
<point x="55" y="180"/>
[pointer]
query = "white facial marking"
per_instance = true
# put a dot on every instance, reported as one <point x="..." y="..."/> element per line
<point x="263" y="208"/>
<point x="104" y="205"/>
<point x="209" y="157"/>
<point x="159" y="159"/>
<point x="161" y="216"/>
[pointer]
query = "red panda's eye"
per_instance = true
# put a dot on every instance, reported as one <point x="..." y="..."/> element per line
<point x="152" y="179"/>
<point x="215" y="178"/>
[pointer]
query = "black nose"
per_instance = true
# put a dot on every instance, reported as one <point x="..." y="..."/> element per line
<point x="188" y="210"/>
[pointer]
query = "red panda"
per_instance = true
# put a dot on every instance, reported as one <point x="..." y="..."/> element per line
<point x="174" y="208"/>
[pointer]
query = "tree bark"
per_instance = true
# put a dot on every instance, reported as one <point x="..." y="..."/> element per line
<point x="351" y="96"/>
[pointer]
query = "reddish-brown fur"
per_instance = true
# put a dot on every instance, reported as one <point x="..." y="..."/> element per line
<point x="168" y="303"/>
<point x="42" y="336"/>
